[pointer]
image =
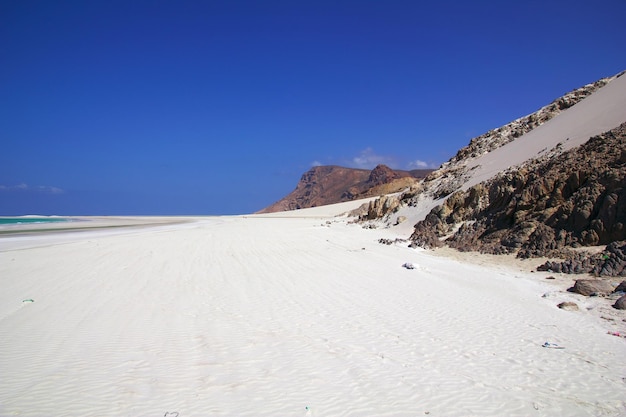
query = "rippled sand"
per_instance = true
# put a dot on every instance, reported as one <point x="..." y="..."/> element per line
<point x="287" y="316"/>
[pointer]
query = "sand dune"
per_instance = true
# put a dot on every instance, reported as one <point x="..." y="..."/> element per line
<point x="600" y="112"/>
<point x="261" y="316"/>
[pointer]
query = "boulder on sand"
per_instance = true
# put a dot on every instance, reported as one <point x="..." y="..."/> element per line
<point x="620" y="304"/>
<point x="568" y="305"/>
<point x="592" y="287"/>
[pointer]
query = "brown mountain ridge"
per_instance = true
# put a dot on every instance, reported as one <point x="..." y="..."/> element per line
<point x="329" y="184"/>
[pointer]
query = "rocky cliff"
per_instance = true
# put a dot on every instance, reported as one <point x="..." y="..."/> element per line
<point x="558" y="200"/>
<point x="323" y="185"/>
<point x="572" y="199"/>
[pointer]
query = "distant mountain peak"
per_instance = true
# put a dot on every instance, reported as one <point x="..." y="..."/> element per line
<point x="329" y="184"/>
<point x="382" y="174"/>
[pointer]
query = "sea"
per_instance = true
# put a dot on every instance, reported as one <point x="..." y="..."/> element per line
<point x="7" y="221"/>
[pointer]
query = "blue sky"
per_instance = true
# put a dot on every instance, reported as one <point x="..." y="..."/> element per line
<point x="218" y="107"/>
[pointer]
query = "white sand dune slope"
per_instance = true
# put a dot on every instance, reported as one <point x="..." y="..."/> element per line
<point x="251" y="316"/>
<point x="600" y="112"/>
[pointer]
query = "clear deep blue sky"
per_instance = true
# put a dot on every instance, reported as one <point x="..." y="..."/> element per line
<point x="218" y="107"/>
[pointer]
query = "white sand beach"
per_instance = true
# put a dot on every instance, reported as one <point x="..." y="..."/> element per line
<point x="290" y="314"/>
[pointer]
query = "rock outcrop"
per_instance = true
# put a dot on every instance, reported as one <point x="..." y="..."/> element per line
<point x="381" y="205"/>
<point x="564" y="200"/>
<point x="611" y="262"/>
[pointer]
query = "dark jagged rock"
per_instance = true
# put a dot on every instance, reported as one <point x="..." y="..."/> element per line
<point x="611" y="262"/>
<point x="621" y="287"/>
<point x="543" y="208"/>
<point x="620" y="304"/>
<point x="425" y="234"/>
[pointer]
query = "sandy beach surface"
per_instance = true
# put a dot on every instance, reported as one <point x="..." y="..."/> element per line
<point x="290" y="314"/>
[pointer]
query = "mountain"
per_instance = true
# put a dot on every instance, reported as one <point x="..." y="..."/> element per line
<point x="546" y="184"/>
<point x="323" y="185"/>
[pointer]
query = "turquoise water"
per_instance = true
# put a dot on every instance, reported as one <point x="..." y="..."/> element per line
<point x="29" y="220"/>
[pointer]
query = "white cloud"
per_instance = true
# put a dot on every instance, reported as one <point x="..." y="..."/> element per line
<point x="418" y="164"/>
<point x="369" y="159"/>
<point x="50" y="190"/>
<point x="37" y="189"/>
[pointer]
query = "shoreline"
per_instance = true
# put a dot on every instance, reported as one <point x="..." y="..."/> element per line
<point x="86" y="223"/>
